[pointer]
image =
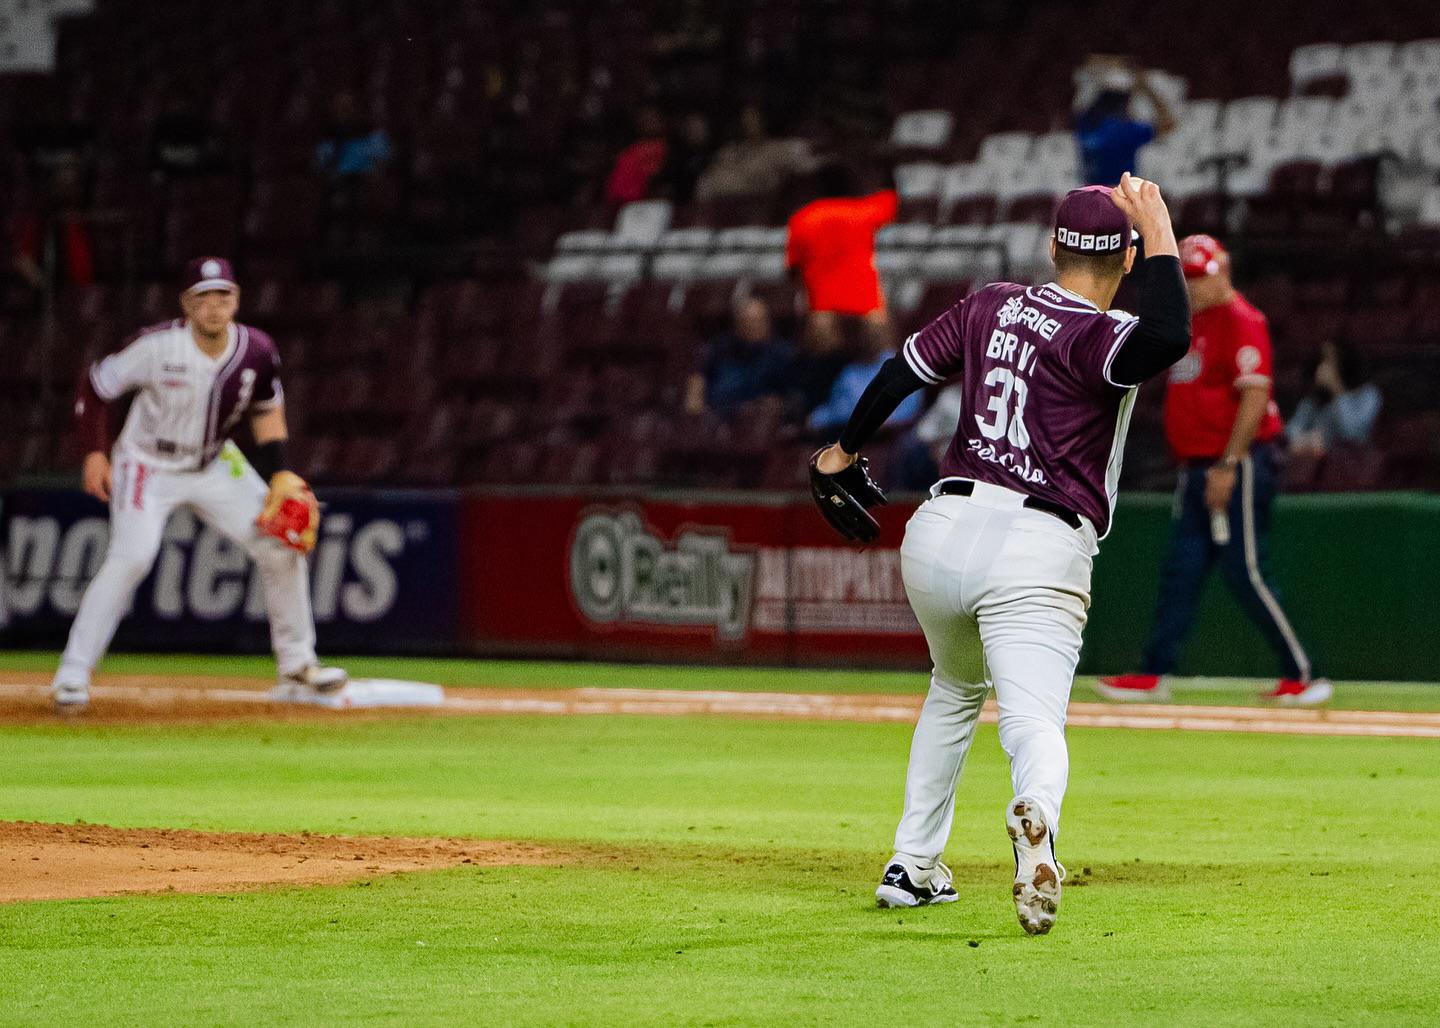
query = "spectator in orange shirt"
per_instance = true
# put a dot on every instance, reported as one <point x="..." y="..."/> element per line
<point x="831" y="248"/>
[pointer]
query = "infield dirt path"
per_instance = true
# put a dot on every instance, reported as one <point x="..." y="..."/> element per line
<point x="125" y="699"/>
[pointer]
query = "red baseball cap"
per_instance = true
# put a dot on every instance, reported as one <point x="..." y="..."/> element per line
<point x="1201" y="255"/>
<point x="204" y="274"/>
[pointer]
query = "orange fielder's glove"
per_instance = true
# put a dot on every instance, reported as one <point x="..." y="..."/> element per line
<point x="291" y="513"/>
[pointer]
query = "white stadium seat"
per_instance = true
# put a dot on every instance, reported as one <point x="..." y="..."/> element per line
<point x="966" y="180"/>
<point x="897" y="262"/>
<point x="1430" y="207"/>
<point x="587" y="240"/>
<point x="1246" y="120"/>
<point x="922" y="130"/>
<point x="678" y="266"/>
<point x="1317" y="61"/>
<point x="728" y="264"/>
<point x="618" y="267"/>
<point x="901" y="234"/>
<point x="1308" y="112"/>
<point x="1386" y="82"/>
<point x="697" y="238"/>
<point x="1006" y="151"/>
<point x="572" y="267"/>
<point x="744" y="237"/>
<point x="1363" y="58"/>
<point x="1419" y="56"/>
<point x="919" y="181"/>
<point x="1428" y="148"/>
<point x="641" y="224"/>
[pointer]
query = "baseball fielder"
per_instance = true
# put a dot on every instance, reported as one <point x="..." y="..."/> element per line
<point x="195" y="377"/>
<point x="1225" y="430"/>
<point x="996" y="563"/>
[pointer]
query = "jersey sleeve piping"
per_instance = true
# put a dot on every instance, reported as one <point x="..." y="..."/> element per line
<point x="1122" y="333"/>
<point x="917" y="363"/>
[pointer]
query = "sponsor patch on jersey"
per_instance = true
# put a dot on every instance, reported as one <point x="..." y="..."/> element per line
<point x="174" y="369"/>
<point x="1247" y="359"/>
<point x="174" y="383"/>
<point x="1187" y="368"/>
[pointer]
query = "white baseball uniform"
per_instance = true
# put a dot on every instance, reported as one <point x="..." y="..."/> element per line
<point x="997" y="563"/>
<point x="172" y="452"/>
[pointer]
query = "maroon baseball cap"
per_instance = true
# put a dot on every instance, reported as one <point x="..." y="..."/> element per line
<point x="1088" y="222"/>
<point x="204" y="274"/>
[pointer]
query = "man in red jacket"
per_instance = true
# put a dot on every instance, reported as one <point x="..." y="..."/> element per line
<point x="1224" y="428"/>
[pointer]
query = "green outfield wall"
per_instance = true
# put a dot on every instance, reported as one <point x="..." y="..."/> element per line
<point x="1357" y="573"/>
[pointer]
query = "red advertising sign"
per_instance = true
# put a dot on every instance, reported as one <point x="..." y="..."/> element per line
<point x="650" y="579"/>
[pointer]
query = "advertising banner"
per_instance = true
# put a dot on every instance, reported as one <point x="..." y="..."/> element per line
<point x="383" y="576"/>
<point x="678" y="579"/>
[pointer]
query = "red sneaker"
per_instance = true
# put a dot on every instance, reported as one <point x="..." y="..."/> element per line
<point x="1134" y="689"/>
<point x="1292" y="693"/>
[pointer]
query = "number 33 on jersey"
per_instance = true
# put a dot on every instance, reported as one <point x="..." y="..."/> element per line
<point x="1032" y="364"/>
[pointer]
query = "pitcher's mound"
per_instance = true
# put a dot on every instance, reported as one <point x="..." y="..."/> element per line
<point x="50" y="861"/>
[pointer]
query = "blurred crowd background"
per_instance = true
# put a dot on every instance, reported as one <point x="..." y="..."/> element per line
<point x="545" y="242"/>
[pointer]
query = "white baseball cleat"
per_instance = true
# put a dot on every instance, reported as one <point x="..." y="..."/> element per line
<point x="318" y="677"/>
<point x="1292" y="693"/>
<point x="1037" y="873"/>
<point x="907" y="884"/>
<point x="70" y="697"/>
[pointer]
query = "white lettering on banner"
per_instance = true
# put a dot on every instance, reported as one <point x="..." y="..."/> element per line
<point x="327" y="563"/>
<point x="200" y="573"/>
<point x="833" y="589"/>
<point x="80" y="558"/>
<point x="622" y="572"/>
<point x="374" y="594"/>
<point x="32" y="548"/>
<point x="218" y="583"/>
<point x="1018" y="466"/>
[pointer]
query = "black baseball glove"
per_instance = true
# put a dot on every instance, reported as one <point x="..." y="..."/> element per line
<point x="844" y="499"/>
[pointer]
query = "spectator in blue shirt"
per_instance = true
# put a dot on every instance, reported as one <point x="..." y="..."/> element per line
<point x="743" y="365"/>
<point x="831" y="415"/>
<point x="1342" y="409"/>
<point x="350" y="149"/>
<point x="1108" y="135"/>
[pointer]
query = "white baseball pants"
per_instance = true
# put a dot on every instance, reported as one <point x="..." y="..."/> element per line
<point x="1001" y="592"/>
<point x="228" y="494"/>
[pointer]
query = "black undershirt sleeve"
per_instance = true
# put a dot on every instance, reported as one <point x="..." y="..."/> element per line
<point x="269" y="458"/>
<point x="891" y="384"/>
<point x="1163" y="335"/>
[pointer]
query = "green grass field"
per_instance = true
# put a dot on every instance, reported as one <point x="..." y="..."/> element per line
<point x="722" y="870"/>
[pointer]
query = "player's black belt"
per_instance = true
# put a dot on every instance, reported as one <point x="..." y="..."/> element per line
<point x="964" y="487"/>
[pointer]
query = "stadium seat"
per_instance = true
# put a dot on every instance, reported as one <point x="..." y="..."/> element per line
<point x="922" y="130"/>
<point x="1316" y="61"/>
<point x="640" y="225"/>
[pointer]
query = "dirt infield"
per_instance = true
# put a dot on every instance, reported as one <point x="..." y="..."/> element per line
<point x="136" y="699"/>
<point x="49" y="861"/>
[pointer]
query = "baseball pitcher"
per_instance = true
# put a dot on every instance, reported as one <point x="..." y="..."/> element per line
<point x="195" y="378"/>
<point x="996" y="563"/>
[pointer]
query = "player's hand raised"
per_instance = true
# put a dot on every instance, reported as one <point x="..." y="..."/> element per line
<point x="1142" y="203"/>
<point x="95" y="475"/>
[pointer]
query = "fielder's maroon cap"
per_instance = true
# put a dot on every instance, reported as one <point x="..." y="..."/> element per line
<point x="1088" y="222"/>
<point x="1201" y="255"/>
<point x="204" y="274"/>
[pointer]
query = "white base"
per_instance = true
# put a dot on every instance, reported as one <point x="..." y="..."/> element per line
<point x="363" y="692"/>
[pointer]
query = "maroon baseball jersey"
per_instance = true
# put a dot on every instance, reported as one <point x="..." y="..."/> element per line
<point x="1041" y="415"/>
